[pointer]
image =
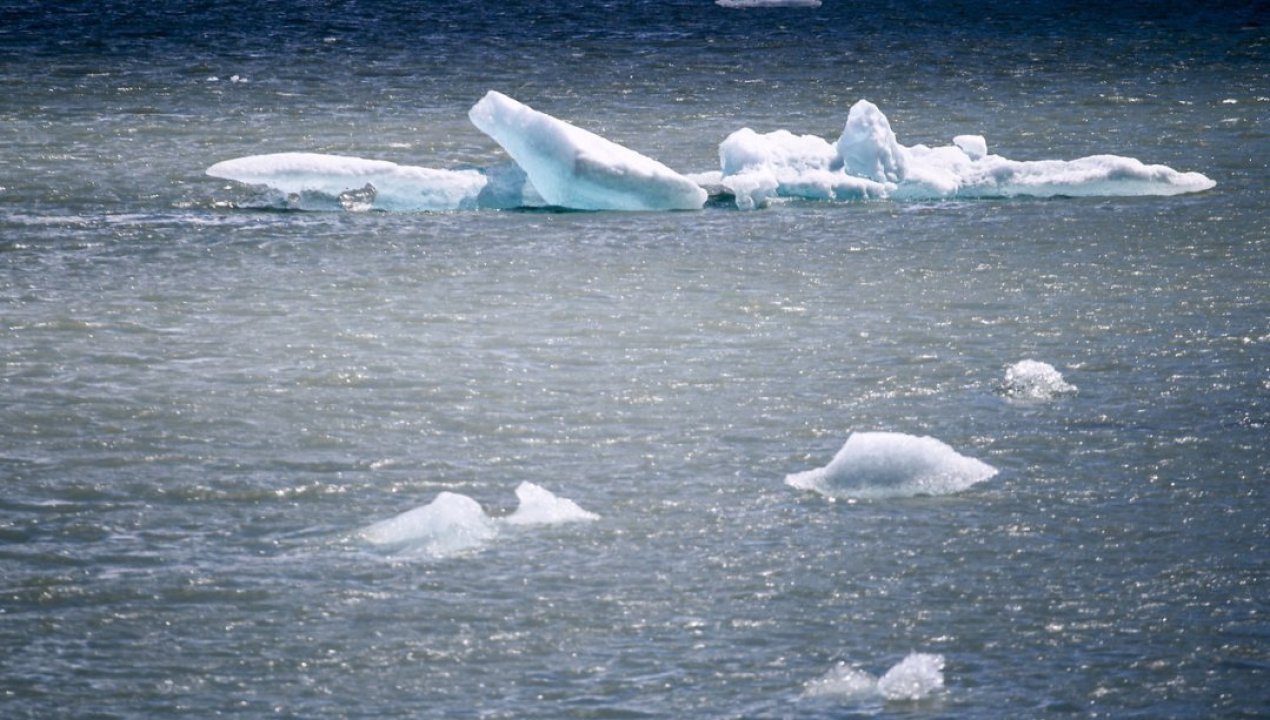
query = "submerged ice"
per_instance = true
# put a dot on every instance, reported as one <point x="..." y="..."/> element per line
<point x="454" y="523"/>
<point x="867" y="161"/>
<point x="890" y="464"/>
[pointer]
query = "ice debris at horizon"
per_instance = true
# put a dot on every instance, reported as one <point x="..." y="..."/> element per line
<point x="454" y="523"/>
<point x="767" y="3"/>
<point x="891" y="464"/>
<point x="917" y="676"/>
<point x="868" y="162"/>
<point x="1035" y="380"/>
<point x="575" y="168"/>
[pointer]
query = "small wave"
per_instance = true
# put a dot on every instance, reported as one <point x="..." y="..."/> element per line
<point x="889" y="464"/>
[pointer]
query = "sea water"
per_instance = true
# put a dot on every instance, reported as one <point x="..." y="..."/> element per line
<point x="204" y="406"/>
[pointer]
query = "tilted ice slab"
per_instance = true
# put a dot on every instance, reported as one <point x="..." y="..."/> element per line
<point x="889" y="464"/>
<point x="453" y="523"/>
<point x="574" y="168"/>
<point x="362" y="184"/>
<point x="868" y="162"/>
<point x="1035" y="380"/>
<point x="917" y="676"/>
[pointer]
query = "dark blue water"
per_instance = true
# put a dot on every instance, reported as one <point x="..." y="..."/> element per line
<point x="200" y="406"/>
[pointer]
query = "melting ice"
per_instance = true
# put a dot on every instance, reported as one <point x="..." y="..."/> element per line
<point x="889" y="464"/>
<point x="559" y="164"/>
<point x="1035" y="380"/>
<point x="868" y="162"/>
<point x="915" y="677"/>
<point x="454" y="523"/>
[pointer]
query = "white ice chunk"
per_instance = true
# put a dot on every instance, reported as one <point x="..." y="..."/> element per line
<point x="867" y="161"/>
<point x="377" y="184"/>
<point x="888" y="464"/>
<point x="573" y="168"/>
<point x="917" y="676"/>
<point x="539" y="506"/>
<point x="867" y="146"/>
<point x="759" y="167"/>
<point x="1035" y="380"/>
<point x="974" y="146"/>
<point x="448" y="525"/>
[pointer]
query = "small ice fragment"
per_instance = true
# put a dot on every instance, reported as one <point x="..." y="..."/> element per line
<point x="448" y="525"/>
<point x="889" y="464"/>
<point x="915" y="677"/>
<point x="1035" y="380"/>
<point x="539" y="506"/>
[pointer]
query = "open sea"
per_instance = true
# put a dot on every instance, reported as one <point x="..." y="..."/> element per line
<point x="203" y="403"/>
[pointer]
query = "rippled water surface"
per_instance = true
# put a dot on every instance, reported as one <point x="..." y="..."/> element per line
<point x="201" y="406"/>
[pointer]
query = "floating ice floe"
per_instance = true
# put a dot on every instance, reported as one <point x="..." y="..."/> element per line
<point x="539" y="506"/>
<point x="917" y="676"/>
<point x="868" y="162"/>
<point x="574" y="168"/>
<point x="889" y="464"/>
<point x="317" y="181"/>
<point x="1035" y="380"/>
<point x="453" y="523"/>
<point x="561" y="165"/>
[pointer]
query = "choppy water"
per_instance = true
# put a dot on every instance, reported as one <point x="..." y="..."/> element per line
<point x="202" y="406"/>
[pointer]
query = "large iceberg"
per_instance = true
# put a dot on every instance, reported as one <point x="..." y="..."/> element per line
<point x="890" y="464"/>
<point x="574" y="168"/>
<point x="868" y="162"/>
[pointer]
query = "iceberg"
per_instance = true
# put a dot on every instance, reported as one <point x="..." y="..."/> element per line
<point x="577" y="169"/>
<point x="917" y="676"/>
<point x="362" y="184"/>
<point x="867" y="161"/>
<point x="1035" y="380"/>
<point x="889" y="464"/>
<point x="449" y="525"/>
<point x="539" y="506"/>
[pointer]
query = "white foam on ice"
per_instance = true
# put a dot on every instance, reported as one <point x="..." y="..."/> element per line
<point x="366" y="184"/>
<point x="917" y="676"/>
<point x="450" y="524"/>
<point x="1035" y="380"/>
<point x="868" y="161"/>
<point x="539" y="506"/>
<point x="574" y="168"/>
<point x="889" y="464"/>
